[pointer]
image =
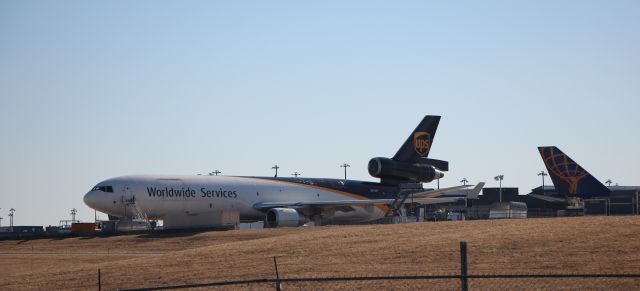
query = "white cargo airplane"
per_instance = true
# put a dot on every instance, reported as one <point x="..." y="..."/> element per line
<point x="199" y="201"/>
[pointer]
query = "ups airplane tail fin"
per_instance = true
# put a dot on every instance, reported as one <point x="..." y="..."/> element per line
<point x="569" y="178"/>
<point x="418" y="144"/>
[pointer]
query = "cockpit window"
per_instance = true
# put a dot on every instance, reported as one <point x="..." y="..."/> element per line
<point x="108" y="189"/>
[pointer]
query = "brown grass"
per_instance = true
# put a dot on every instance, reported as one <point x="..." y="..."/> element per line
<point x="553" y="245"/>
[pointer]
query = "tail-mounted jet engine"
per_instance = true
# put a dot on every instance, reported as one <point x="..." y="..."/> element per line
<point x="284" y="217"/>
<point x="388" y="169"/>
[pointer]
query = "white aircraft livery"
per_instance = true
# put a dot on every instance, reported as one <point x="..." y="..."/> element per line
<point x="201" y="201"/>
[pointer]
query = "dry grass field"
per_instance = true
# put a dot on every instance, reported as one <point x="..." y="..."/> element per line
<point x="551" y="245"/>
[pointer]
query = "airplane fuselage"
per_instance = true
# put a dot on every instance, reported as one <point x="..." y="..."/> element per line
<point x="160" y="197"/>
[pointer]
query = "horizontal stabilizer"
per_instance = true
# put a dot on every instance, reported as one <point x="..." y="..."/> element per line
<point x="438" y="164"/>
<point x="549" y="198"/>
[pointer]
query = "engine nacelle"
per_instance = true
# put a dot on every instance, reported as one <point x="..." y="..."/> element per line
<point x="284" y="217"/>
<point x="385" y="168"/>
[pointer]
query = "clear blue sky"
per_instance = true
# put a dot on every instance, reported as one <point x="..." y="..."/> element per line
<point x="95" y="89"/>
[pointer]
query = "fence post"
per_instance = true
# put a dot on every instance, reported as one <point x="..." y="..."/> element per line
<point x="275" y="264"/>
<point x="99" y="281"/>
<point x="464" y="281"/>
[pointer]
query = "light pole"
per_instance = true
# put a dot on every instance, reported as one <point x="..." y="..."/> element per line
<point x="276" y="168"/>
<point x="608" y="182"/>
<point x="73" y="214"/>
<point x="11" y="211"/>
<point x="345" y="166"/>
<point x="1" y="217"/>
<point x="295" y="174"/>
<point x="216" y="172"/>
<point x="500" y="178"/>
<point x="464" y="181"/>
<point x="542" y="173"/>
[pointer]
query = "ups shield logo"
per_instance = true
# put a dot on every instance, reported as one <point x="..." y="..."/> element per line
<point x="422" y="142"/>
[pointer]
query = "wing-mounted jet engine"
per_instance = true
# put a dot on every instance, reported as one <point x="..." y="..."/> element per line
<point x="410" y="164"/>
<point x="284" y="217"/>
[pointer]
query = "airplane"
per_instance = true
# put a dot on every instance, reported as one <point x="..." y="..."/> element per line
<point x="199" y="201"/>
<point x="570" y="180"/>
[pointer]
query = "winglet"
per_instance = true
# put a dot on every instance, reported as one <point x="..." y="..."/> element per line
<point x="473" y="193"/>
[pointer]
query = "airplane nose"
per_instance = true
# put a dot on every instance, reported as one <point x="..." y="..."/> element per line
<point x="91" y="199"/>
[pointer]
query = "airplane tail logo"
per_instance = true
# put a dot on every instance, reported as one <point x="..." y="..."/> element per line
<point x="422" y="143"/>
<point x="418" y="144"/>
<point x="563" y="167"/>
<point x="568" y="177"/>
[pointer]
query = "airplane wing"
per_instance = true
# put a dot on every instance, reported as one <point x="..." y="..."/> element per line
<point x="471" y="194"/>
<point x="428" y="200"/>
<point x="359" y="202"/>
<point x="439" y="192"/>
<point x="354" y="202"/>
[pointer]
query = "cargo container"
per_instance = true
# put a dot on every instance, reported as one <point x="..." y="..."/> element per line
<point x="83" y="228"/>
<point x="508" y="210"/>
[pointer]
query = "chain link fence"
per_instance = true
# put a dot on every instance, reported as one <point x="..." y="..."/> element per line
<point x="399" y="273"/>
<point x="453" y="282"/>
